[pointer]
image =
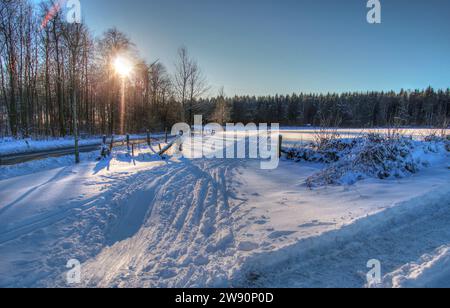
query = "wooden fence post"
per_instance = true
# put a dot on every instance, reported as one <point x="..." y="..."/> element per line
<point x="104" y="150"/>
<point x="280" y="145"/>
<point x="111" y="145"/>
<point x="128" y="142"/>
<point x="166" y="135"/>
<point x="148" y="137"/>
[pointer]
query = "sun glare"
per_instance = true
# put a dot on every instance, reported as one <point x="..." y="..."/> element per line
<point x="122" y="66"/>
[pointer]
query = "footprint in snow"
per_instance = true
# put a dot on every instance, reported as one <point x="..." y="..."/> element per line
<point x="316" y="223"/>
<point x="278" y="234"/>
<point x="247" y="246"/>
<point x="261" y="222"/>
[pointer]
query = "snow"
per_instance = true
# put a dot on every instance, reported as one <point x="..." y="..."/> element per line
<point x="338" y="257"/>
<point x="431" y="271"/>
<point x="13" y="146"/>
<point x="7" y="172"/>
<point x="145" y="222"/>
<point x="48" y="212"/>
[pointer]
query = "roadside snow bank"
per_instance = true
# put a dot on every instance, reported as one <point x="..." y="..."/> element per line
<point x="14" y="146"/>
<point x="120" y="153"/>
<point x="430" y="271"/>
<point x="10" y="146"/>
<point x="7" y="172"/>
<point x="338" y="258"/>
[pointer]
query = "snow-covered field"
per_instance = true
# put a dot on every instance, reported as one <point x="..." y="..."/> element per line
<point x="297" y="136"/>
<point x="147" y="222"/>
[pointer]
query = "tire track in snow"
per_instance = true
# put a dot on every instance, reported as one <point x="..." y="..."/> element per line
<point x="79" y="231"/>
<point x="32" y="190"/>
<point x="45" y="221"/>
<point x="186" y="240"/>
<point x="54" y="217"/>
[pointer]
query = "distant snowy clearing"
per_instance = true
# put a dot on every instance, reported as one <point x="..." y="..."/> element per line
<point x="145" y="222"/>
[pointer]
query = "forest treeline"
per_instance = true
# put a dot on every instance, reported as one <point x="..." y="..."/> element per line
<point x="57" y="79"/>
<point x="426" y="107"/>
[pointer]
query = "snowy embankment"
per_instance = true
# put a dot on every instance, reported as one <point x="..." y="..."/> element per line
<point x="36" y="166"/>
<point x="15" y="146"/>
<point x="430" y="271"/>
<point x="145" y="222"/>
<point x="10" y="146"/>
<point x="397" y="237"/>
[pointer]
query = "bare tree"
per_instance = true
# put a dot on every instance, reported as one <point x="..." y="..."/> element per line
<point x="56" y="26"/>
<point x="161" y="88"/>
<point x="197" y="87"/>
<point x="73" y="34"/>
<point x="190" y="83"/>
<point x="8" y="26"/>
<point x="221" y="112"/>
<point x="183" y="73"/>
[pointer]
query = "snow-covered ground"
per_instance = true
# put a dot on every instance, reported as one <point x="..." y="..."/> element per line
<point x="13" y="146"/>
<point x="147" y="222"/>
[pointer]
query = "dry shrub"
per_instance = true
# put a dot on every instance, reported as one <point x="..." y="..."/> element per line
<point x="327" y="132"/>
<point x="327" y="151"/>
<point x="373" y="156"/>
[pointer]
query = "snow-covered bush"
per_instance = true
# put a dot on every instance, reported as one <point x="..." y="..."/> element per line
<point x="439" y="139"/>
<point x="326" y="151"/>
<point x="434" y="138"/>
<point x="371" y="156"/>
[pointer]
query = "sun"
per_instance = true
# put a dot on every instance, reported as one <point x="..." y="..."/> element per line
<point x="123" y="66"/>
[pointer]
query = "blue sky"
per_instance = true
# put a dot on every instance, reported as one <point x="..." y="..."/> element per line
<point x="284" y="46"/>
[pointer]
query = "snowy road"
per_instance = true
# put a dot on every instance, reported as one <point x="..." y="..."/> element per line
<point x="143" y="222"/>
<point x="413" y="230"/>
<point x="185" y="239"/>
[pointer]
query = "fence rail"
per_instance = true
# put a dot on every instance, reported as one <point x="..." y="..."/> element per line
<point x="17" y="158"/>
